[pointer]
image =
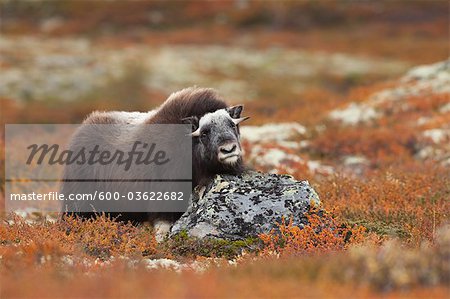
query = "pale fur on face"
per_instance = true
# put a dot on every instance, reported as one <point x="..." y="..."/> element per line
<point x="221" y="120"/>
<point x="218" y="117"/>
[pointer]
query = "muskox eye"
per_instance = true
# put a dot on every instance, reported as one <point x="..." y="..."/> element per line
<point x="204" y="133"/>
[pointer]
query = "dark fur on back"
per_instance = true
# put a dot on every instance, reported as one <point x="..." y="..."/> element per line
<point x="185" y="103"/>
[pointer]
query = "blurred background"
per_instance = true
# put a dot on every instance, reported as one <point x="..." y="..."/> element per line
<point x="287" y="60"/>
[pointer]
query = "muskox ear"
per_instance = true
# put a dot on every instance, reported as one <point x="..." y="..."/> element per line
<point x="191" y="120"/>
<point x="235" y="111"/>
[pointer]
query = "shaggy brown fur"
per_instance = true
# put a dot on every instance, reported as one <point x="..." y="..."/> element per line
<point x="189" y="102"/>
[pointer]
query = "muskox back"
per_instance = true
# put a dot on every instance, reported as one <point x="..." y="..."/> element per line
<point x="181" y="107"/>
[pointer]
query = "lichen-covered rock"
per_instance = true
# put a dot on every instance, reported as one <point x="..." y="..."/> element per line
<point x="239" y="207"/>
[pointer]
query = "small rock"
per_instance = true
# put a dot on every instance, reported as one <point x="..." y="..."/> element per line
<point x="239" y="207"/>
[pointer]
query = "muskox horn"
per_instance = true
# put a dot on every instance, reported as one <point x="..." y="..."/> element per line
<point x="196" y="133"/>
<point x="239" y="120"/>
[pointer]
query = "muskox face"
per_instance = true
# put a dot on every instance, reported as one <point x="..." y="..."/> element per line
<point x="216" y="138"/>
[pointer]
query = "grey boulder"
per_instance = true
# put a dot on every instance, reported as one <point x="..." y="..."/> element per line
<point x="238" y="207"/>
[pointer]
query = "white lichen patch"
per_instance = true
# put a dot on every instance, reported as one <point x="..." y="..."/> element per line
<point x="354" y="114"/>
<point x="419" y="81"/>
<point x="220" y="185"/>
<point x="445" y="108"/>
<point x="354" y="160"/>
<point x="439" y="148"/>
<point x="38" y="68"/>
<point x="439" y="70"/>
<point x="280" y="132"/>
<point x="276" y="158"/>
<point x="274" y="146"/>
<point x="317" y="167"/>
<point x="163" y="264"/>
<point x="438" y="135"/>
<point x="33" y="215"/>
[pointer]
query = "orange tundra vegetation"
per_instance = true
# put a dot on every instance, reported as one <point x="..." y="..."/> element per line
<point x="358" y="271"/>
<point x="410" y="203"/>
<point x="382" y="231"/>
<point x="324" y="234"/>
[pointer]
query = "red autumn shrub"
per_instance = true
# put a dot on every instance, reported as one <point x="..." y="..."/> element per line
<point x="323" y="234"/>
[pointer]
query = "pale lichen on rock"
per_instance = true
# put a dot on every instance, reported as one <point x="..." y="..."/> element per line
<point x="238" y="207"/>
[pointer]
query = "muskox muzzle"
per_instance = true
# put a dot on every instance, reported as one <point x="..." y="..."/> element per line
<point x="229" y="152"/>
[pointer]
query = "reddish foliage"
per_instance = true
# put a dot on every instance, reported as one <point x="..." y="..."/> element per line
<point x="409" y="201"/>
<point x="381" y="144"/>
<point x="323" y="234"/>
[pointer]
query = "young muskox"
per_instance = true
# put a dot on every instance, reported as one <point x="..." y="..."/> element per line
<point x="215" y="145"/>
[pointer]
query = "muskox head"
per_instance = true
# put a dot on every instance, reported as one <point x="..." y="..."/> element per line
<point x="216" y="139"/>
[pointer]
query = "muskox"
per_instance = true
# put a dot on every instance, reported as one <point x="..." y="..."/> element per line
<point x="216" y="148"/>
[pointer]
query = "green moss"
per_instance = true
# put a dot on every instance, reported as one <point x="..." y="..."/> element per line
<point x="382" y="228"/>
<point x="183" y="245"/>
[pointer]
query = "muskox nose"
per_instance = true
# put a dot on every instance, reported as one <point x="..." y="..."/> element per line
<point x="228" y="148"/>
<point x="229" y="153"/>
